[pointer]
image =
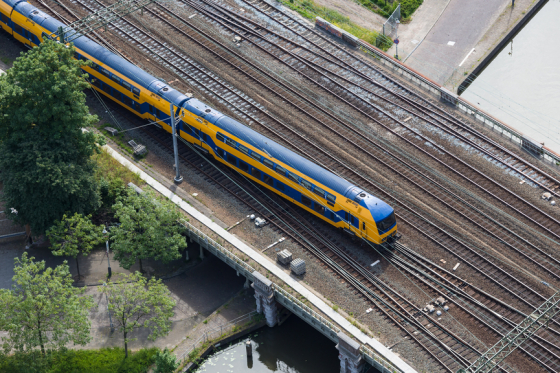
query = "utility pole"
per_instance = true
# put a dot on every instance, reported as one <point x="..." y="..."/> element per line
<point x="178" y="178"/>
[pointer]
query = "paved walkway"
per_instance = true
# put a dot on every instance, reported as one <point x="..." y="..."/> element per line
<point x="199" y="292"/>
<point x="412" y="35"/>
<point x="454" y="35"/>
<point x="446" y="39"/>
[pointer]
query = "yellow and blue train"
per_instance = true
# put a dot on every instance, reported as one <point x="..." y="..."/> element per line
<point x="258" y="158"/>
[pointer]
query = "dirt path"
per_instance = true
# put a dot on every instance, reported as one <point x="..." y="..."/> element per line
<point x="356" y="12"/>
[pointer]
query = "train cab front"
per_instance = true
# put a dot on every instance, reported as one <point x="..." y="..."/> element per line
<point x="384" y="217"/>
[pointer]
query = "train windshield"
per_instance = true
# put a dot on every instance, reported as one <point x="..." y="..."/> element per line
<point x="386" y="224"/>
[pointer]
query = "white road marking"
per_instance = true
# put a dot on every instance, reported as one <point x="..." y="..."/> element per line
<point x="462" y="62"/>
<point x="452" y="43"/>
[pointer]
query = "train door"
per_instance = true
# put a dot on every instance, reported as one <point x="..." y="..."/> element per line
<point x="364" y="229"/>
<point x="354" y="223"/>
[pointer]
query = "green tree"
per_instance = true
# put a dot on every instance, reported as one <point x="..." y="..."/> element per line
<point x="74" y="235"/>
<point x="45" y="157"/>
<point x="138" y="303"/>
<point x="43" y="309"/>
<point x="148" y="229"/>
<point x="166" y="362"/>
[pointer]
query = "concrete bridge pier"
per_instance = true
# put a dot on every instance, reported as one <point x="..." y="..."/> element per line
<point x="264" y="295"/>
<point x="349" y="354"/>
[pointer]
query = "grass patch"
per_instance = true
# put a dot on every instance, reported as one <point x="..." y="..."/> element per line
<point x="309" y="9"/>
<point x="109" y="168"/>
<point x="105" y="360"/>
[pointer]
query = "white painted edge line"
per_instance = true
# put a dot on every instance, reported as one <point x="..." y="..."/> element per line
<point x="256" y="256"/>
<point x="462" y="62"/>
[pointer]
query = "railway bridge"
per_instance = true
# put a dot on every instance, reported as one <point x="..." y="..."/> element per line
<point x="357" y="351"/>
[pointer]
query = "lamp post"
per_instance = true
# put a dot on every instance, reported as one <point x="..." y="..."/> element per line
<point x="397" y="40"/>
<point x="108" y="262"/>
<point x="109" y="311"/>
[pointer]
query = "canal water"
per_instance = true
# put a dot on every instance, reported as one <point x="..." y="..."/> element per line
<point x="521" y="86"/>
<point x="293" y="347"/>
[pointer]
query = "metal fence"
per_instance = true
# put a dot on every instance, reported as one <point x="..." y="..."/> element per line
<point x="217" y="332"/>
<point x="390" y="26"/>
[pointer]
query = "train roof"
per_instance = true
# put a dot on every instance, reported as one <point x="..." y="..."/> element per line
<point x="85" y="44"/>
<point x="269" y="147"/>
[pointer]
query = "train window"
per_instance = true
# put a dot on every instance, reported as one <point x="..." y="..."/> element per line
<point x="136" y="91"/>
<point x="194" y="131"/>
<point x="256" y="173"/>
<point x="126" y="85"/>
<point x="294" y="177"/>
<point x="5" y="19"/>
<point x="306" y="201"/>
<point x="231" y="143"/>
<point x="95" y="66"/>
<point x="231" y="159"/>
<point x="331" y="199"/>
<point x="157" y="113"/>
<point x="107" y="88"/>
<point x="268" y="163"/>
<point x="204" y="136"/>
<point x="306" y="184"/>
<point x="220" y="137"/>
<point x="267" y="179"/>
<point x="221" y="153"/>
<point x="243" y="149"/>
<point x="151" y="109"/>
<point x="105" y="72"/>
<point x="116" y="79"/>
<point x="319" y="208"/>
<point x="346" y="217"/>
<point x="76" y="55"/>
<point x="332" y="216"/>
<point x="318" y="191"/>
<point x="364" y="225"/>
<point x="256" y="156"/>
<point x="244" y="166"/>
<point x="18" y="29"/>
<point x="281" y="170"/>
<point x="83" y="58"/>
<point x="280" y="186"/>
<point x="116" y="94"/>
<point x="96" y="82"/>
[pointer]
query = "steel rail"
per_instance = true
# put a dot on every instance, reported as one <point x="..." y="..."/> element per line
<point x="436" y="110"/>
<point x="461" y="162"/>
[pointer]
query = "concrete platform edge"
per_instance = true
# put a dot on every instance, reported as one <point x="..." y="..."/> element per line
<point x="267" y="264"/>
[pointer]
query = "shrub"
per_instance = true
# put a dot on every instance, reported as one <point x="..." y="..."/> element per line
<point x="105" y="360"/>
<point x="166" y="362"/>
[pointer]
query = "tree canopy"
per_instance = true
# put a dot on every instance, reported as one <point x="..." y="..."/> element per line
<point x="148" y="229"/>
<point x="139" y="303"/>
<point x="45" y="156"/>
<point x="43" y="309"/>
<point x="74" y="235"/>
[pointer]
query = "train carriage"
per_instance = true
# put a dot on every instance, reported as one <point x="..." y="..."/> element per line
<point x="327" y="196"/>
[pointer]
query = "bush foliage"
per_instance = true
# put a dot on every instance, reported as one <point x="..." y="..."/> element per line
<point x="105" y="360"/>
<point x="113" y="178"/>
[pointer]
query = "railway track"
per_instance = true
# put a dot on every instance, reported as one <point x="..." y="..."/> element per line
<point x="358" y="67"/>
<point x="445" y="347"/>
<point x="313" y="67"/>
<point x="495" y="316"/>
<point x="248" y="108"/>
